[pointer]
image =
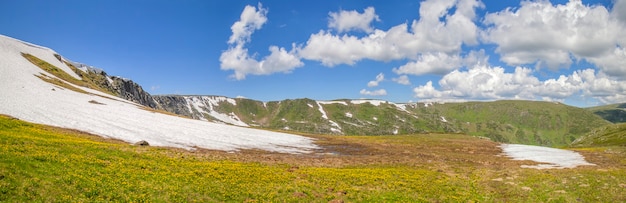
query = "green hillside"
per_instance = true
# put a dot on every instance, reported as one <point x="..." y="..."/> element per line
<point x="527" y="122"/>
<point x="615" y="113"/>
<point x="611" y="135"/>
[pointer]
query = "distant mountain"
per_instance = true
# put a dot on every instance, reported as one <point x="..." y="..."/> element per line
<point x="616" y="113"/>
<point x="527" y="122"/>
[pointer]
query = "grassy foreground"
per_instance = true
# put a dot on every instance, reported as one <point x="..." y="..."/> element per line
<point x="45" y="164"/>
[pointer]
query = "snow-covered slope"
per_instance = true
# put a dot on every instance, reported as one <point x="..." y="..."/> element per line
<point x="26" y="97"/>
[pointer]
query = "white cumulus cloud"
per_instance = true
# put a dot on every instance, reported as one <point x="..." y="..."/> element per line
<point x="436" y="63"/>
<point x="379" y="78"/>
<point x="236" y="58"/>
<point x="345" y="21"/>
<point x="403" y="80"/>
<point x="437" y="30"/>
<point x="380" y="92"/>
<point x="251" y="19"/>
<point x="553" y="35"/>
<point x="493" y="83"/>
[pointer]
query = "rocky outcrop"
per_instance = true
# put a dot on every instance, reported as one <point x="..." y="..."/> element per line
<point x="129" y="90"/>
<point x="174" y="104"/>
<point x="118" y="86"/>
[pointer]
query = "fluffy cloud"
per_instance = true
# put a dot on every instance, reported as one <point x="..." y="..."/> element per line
<point x="345" y="21"/>
<point x="437" y="63"/>
<point x="236" y="58"/>
<point x="619" y="10"/>
<point x="612" y="63"/>
<point x="250" y="20"/>
<point x="493" y="83"/>
<point x="380" y="92"/>
<point x="379" y="78"/>
<point x="551" y="35"/>
<point x="437" y="30"/>
<point x="403" y="80"/>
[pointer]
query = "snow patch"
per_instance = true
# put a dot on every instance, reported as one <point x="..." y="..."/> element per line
<point x="310" y="105"/>
<point x="401" y="107"/>
<point x="348" y="114"/>
<point x="550" y="158"/>
<point x="206" y="104"/>
<point x="395" y="131"/>
<point x="321" y="109"/>
<point x="336" y="128"/>
<point x="443" y="119"/>
<point x="375" y="118"/>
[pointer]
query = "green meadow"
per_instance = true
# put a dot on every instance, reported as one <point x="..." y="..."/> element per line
<point x="47" y="164"/>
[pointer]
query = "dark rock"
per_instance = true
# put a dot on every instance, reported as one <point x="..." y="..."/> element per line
<point x="174" y="103"/>
<point x="129" y="90"/>
<point x="142" y="143"/>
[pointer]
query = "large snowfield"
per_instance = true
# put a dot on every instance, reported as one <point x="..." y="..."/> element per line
<point x="26" y="97"/>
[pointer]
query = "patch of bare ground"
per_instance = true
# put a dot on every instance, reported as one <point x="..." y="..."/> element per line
<point x="442" y="152"/>
<point x="605" y="157"/>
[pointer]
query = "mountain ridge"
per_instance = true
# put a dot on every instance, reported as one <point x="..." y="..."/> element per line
<point x="379" y="117"/>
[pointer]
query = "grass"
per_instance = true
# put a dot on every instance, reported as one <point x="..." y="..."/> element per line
<point x="46" y="164"/>
<point x="611" y="135"/>
<point x="60" y="83"/>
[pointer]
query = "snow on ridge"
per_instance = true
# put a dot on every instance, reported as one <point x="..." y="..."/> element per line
<point x="215" y="100"/>
<point x="550" y="158"/>
<point x="206" y="104"/>
<point x="402" y="107"/>
<point x="443" y="119"/>
<point x="332" y="102"/>
<point x="31" y="99"/>
<point x="321" y="109"/>
<point x="337" y="127"/>
<point x="371" y="101"/>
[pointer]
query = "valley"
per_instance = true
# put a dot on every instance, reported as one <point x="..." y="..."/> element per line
<point x="68" y="134"/>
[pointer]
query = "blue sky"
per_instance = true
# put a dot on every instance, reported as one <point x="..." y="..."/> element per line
<point x="450" y="50"/>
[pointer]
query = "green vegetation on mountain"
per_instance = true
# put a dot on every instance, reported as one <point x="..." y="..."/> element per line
<point x="524" y="122"/>
<point x="615" y="113"/>
<point x="610" y="135"/>
<point x="527" y="122"/>
<point x="47" y="164"/>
